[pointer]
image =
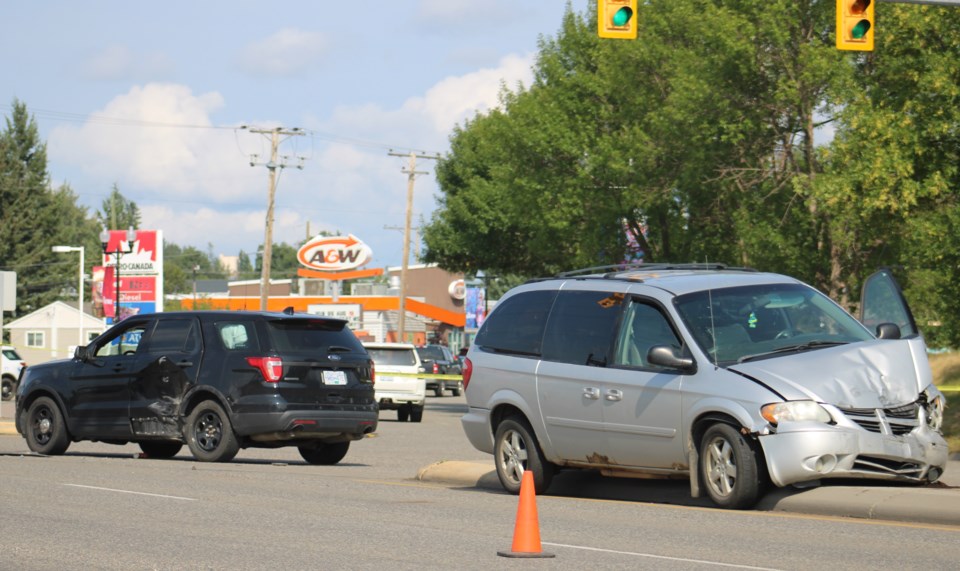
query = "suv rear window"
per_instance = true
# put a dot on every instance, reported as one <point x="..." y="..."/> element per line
<point x="312" y="335"/>
<point x="398" y="356"/>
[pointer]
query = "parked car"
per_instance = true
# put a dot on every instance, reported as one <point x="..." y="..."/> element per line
<point x="729" y="377"/>
<point x="397" y="386"/>
<point x="439" y="360"/>
<point x="218" y="381"/>
<point x="10" y="366"/>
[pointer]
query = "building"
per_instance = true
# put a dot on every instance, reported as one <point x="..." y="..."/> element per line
<point x="52" y="331"/>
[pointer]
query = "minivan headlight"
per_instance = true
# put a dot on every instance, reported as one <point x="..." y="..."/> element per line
<point x="795" y="411"/>
<point x="934" y="405"/>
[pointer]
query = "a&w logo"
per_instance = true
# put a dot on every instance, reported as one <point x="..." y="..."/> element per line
<point x="334" y="253"/>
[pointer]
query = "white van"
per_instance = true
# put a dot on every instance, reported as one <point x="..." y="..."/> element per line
<point x="396" y="386"/>
<point x="11" y="366"/>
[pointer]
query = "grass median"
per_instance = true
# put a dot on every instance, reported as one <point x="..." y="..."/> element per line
<point x="946" y="375"/>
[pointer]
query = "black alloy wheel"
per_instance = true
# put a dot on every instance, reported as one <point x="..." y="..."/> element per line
<point x="210" y="435"/>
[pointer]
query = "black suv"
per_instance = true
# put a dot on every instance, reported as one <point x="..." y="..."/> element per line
<point x="439" y="360"/>
<point x="215" y="380"/>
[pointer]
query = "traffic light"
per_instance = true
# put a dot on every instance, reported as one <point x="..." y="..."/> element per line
<point x="855" y="25"/>
<point x="617" y="19"/>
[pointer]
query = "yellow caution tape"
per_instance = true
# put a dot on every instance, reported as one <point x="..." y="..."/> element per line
<point x="422" y="376"/>
<point x="949" y="389"/>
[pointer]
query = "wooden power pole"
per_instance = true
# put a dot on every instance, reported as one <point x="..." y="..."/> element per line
<point x="272" y="166"/>
<point x="411" y="172"/>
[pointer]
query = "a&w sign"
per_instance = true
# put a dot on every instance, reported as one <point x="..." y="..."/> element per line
<point x="334" y="253"/>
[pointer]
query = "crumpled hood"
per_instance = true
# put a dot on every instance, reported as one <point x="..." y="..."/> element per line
<point x="873" y="374"/>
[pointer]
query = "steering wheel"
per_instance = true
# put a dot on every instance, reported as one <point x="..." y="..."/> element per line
<point x="134" y="352"/>
<point x="785" y="334"/>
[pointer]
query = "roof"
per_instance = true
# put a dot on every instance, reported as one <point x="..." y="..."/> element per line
<point x="65" y="314"/>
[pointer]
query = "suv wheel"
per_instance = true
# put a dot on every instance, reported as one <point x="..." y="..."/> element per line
<point x="45" y="429"/>
<point x="403" y="412"/>
<point x="160" y="448"/>
<point x="457" y="390"/>
<point x="728" y="468"/>
<point x="210" y="435"/>
<point x="324" y="454"/>
<point x="438" y="391"/>
<point x="516" y="450"/>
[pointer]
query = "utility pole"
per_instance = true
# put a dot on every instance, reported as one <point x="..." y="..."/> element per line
<point x="411" y="172"/>
<point x="414" y="235"/>
<point x="272" y="167"/>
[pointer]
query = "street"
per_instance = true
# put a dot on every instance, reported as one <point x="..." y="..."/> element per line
<point x="103" y="507"/>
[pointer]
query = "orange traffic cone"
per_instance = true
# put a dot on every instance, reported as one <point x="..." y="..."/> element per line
<point x="526" y="533"/>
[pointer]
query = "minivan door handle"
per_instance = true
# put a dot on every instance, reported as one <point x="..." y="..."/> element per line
<point x="591" y="393"/>
<point x="614" y="395"/>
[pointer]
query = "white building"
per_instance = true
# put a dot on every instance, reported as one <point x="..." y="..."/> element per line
<point x="51" y="332"/>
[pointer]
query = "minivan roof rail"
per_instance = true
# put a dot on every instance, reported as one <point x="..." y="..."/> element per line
<point x="612" y="270"/>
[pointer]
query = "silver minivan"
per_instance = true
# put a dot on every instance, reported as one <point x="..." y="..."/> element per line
<point x="733" y="378"/>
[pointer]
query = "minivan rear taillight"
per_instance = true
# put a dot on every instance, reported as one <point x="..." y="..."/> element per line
<point x="467" y="372"/>
<point x="270" y="367"/>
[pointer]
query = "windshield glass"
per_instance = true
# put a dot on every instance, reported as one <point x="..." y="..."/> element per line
<point x="389" y="356"/>
<point x="751" y="321"/>
<point x="10" y="354"/>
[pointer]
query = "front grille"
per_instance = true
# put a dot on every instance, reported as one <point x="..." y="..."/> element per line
<point x="897" y="421"/>
<point x="887" y="466"/>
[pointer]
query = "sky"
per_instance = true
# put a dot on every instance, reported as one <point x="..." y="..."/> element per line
<point x="153" y="98"/>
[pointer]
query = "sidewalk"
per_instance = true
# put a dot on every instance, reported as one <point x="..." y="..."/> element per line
<point x="935" y="504"/>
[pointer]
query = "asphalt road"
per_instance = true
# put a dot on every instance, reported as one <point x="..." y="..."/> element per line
<point x="103" y="507"/>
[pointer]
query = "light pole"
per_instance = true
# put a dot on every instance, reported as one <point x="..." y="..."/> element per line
<point x="64" y="250"/>
<point x="131" y="237"/>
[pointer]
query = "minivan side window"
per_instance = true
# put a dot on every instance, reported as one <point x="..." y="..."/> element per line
<point x="644" y="326"/>
<point x="581" y="327"/>
<point x="516" y="324"/>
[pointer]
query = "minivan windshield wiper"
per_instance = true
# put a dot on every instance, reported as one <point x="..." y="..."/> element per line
<point x="792" y="349"/>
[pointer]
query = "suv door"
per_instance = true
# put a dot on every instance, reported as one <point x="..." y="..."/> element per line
<point x="99" y="394"/>
<point x="166" y="367"/>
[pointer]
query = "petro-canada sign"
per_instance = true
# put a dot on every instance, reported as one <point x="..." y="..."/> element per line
<point x="334" y="253"/>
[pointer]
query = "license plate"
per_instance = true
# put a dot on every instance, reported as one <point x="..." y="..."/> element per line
<point x="334" y="378"/>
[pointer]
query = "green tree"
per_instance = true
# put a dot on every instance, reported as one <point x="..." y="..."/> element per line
<point x="35" y="217"/>
<point x="117" y="212"/>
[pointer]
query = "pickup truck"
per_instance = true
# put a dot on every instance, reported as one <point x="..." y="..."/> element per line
<point x="439" y="360"/>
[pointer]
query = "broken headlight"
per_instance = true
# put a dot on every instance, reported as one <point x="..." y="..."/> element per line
<point x="933" y="404"/>
<point x="795" y="411"/>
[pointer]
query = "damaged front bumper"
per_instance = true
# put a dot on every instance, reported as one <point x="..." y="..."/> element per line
<point x="804" y="451"/>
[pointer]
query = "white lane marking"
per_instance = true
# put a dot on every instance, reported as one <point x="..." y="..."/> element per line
<point x="652" y="556"/>
<point x="129" y="492"/>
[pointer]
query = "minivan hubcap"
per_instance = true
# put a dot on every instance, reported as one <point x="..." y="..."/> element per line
<point x="721" y="469"/>
<point x="513" y="455"/>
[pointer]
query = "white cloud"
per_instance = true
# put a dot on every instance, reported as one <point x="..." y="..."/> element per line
<point x="285" y="53"/>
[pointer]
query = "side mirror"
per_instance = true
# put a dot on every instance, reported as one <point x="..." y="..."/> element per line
<point x="80" y="352"/>
<point x="670" y="357"/>
<point x="888" y="331"/>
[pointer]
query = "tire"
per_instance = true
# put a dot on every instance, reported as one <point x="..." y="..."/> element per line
<point x="209" y="434"/>
<point x="403" y="412"/>
<point x="416" y="413"/>
<point x="458" y="390"/>
<point x="160" y="448"/>
<point x="9" y="388"/>
<point x="516" y="449"/>
<point x="324" y="454"/>
<point x="438" y="391"/>
<point x="45" y="429"/>
<point x="728" y="468"/>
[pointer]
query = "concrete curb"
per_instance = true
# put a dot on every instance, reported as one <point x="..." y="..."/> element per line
<point x="7" y="427"/>
<point x="929" y="505"/>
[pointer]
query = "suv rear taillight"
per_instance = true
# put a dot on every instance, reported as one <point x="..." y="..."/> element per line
<point x="436" y="369"/>
<point x="270" y="367"/>
<point x="373" y="372"/>
<point x="467" y="372"/>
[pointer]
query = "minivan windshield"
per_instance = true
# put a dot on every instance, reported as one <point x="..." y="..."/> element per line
<point x="753" y="322"/>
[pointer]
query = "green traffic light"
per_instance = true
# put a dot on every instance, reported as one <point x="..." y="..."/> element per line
<point x="622" y="16"/>
<point x="860" y="30"/>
